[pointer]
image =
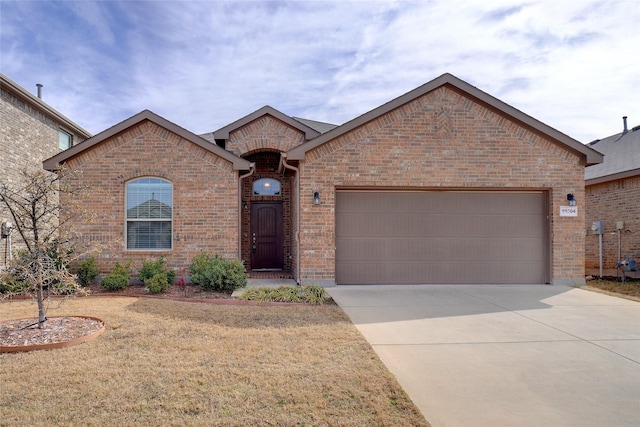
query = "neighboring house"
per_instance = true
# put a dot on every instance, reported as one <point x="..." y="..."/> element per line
<point x="613" y="197"/>
<point x="445" y="184"/>
<point x="30" y="131"/>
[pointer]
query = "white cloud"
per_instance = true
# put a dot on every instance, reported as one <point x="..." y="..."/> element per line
<point x="202" y="65"/>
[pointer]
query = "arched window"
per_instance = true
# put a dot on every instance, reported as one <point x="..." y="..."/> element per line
<point x="149" y="213"/>
<point x="266" y="187"/>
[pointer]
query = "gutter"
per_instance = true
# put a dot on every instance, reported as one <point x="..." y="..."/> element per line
<point x="252" y="169"/>
<point x="285" y="165"/>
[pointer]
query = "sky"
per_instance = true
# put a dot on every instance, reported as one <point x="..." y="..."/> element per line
<point x="573" y="64"/>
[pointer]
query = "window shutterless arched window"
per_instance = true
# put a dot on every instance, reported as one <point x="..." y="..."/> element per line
<point x="266" y="187"/>
<point x="149" y="213"/>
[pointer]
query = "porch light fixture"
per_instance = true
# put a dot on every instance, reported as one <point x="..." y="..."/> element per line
<point x="316" y="198"/>
<point x="571" y="199"/>
<point x="245" y="206"/>
<point x="7" y="228"/>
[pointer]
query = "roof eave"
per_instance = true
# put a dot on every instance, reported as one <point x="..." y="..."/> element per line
<point x="54" y="162"/>
<point x="224" y="132"/>
<point x="613" y="177"/>
<point x="589" y="155"/>
<point x="42" y="106"/>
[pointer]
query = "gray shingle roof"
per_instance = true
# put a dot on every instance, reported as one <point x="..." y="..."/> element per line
<point x="320" y="127"/>
<point x="621" y="154"/>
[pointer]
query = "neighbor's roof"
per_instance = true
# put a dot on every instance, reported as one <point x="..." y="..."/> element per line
<point x="52" y="163"/>
<point x="589" y="155"/>
<point x="621" y="157"/>
<point x="9" y="85"/>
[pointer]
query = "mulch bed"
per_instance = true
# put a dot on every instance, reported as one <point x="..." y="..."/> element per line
<point x="25" y="332"/>
<point x="174" y="292"/>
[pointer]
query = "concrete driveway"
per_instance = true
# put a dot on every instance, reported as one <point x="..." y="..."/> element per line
<point x="489" y="355"/>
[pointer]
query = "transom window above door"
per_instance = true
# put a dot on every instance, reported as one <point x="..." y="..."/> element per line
<point x="266" y="187"/>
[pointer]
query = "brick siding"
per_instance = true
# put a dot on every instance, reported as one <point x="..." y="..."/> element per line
<point x="441" y="140"/>
<point x="27" y="137"/>
<point x="612" y="201"/>
<point x="266" y="167"/>
<point x="264" y="134"/>
<point x="205" y="195"/>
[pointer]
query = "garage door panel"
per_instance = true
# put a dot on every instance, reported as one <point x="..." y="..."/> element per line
<point x="441" y="237"/>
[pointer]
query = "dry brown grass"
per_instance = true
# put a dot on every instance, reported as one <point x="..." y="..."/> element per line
<point x="630" y="289"/>
<point x="168" y="363"/>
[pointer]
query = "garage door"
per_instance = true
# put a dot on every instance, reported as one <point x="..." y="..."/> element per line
<point x="441" y="237"/>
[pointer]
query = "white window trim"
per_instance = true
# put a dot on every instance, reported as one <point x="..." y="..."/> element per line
<point x="127" y="220"/>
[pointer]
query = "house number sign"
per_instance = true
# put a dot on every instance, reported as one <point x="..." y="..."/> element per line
<point x="568" y="211"/>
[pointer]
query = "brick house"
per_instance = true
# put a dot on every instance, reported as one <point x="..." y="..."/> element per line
<point x="30" y="131"/>
<point x="445" y="184"/>
<point x="613" y="197"/>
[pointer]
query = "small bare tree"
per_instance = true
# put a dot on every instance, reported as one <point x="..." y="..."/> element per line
<point x="39" y="268"/>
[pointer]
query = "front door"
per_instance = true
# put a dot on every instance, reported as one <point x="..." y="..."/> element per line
<point x="266" y="236"/>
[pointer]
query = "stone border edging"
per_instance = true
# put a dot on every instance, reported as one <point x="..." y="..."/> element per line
<point x="54" y="345"/>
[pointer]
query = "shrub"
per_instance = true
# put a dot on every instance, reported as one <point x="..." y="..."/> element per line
<point x="158" y="283"/>
<point x="87" y="272"/>
<point x="13" y="287"/>
<point x="217" y="274"/>
<point x="118" y="278"/>
<point x="114" y="282"/>
<point x="198" y="268"/>
<point x="152" y="268"/>
<point x="314" y="294"/>
<point x="307" y="294"/>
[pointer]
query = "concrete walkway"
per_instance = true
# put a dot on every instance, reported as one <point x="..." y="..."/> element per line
<point x="505" y="355"/>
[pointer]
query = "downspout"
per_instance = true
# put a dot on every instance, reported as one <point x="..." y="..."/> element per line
<point x="283" y="163"/>
<point x="252" y="169"/>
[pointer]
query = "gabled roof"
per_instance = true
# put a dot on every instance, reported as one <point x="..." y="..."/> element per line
<point x="589" y="155"/>
<point x="621" y="157"/>
<point x="151" y="208"/>
<point x="52" y="163"/>
<point x="9" y="85"/>
<point x="308" y="131"/>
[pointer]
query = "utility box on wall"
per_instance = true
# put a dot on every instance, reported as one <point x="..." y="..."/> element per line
<point x="597" y="227"/>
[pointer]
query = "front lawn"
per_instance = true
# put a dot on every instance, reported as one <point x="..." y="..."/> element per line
<point x="629" y="289"/>
<point x="171" y="363"/>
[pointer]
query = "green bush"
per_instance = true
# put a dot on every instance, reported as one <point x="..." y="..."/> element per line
<point x="158" y="283"/>
<point x="118" y="278"/>
<point x="307" y="294"/>
<point x="217" y="274"/>
<point x="114" y="282"/>
<point x="314" y="294"/>
<point x="152" y="268"/>
<point x="198" y="268"/>
<point x="14" y="287"/>
<point x="87" y="272"/>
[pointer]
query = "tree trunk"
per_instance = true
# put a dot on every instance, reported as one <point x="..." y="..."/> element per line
<point x="41" y="310"/>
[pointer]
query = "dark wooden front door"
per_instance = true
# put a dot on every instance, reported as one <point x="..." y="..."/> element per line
<point x="266" y="236"/>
